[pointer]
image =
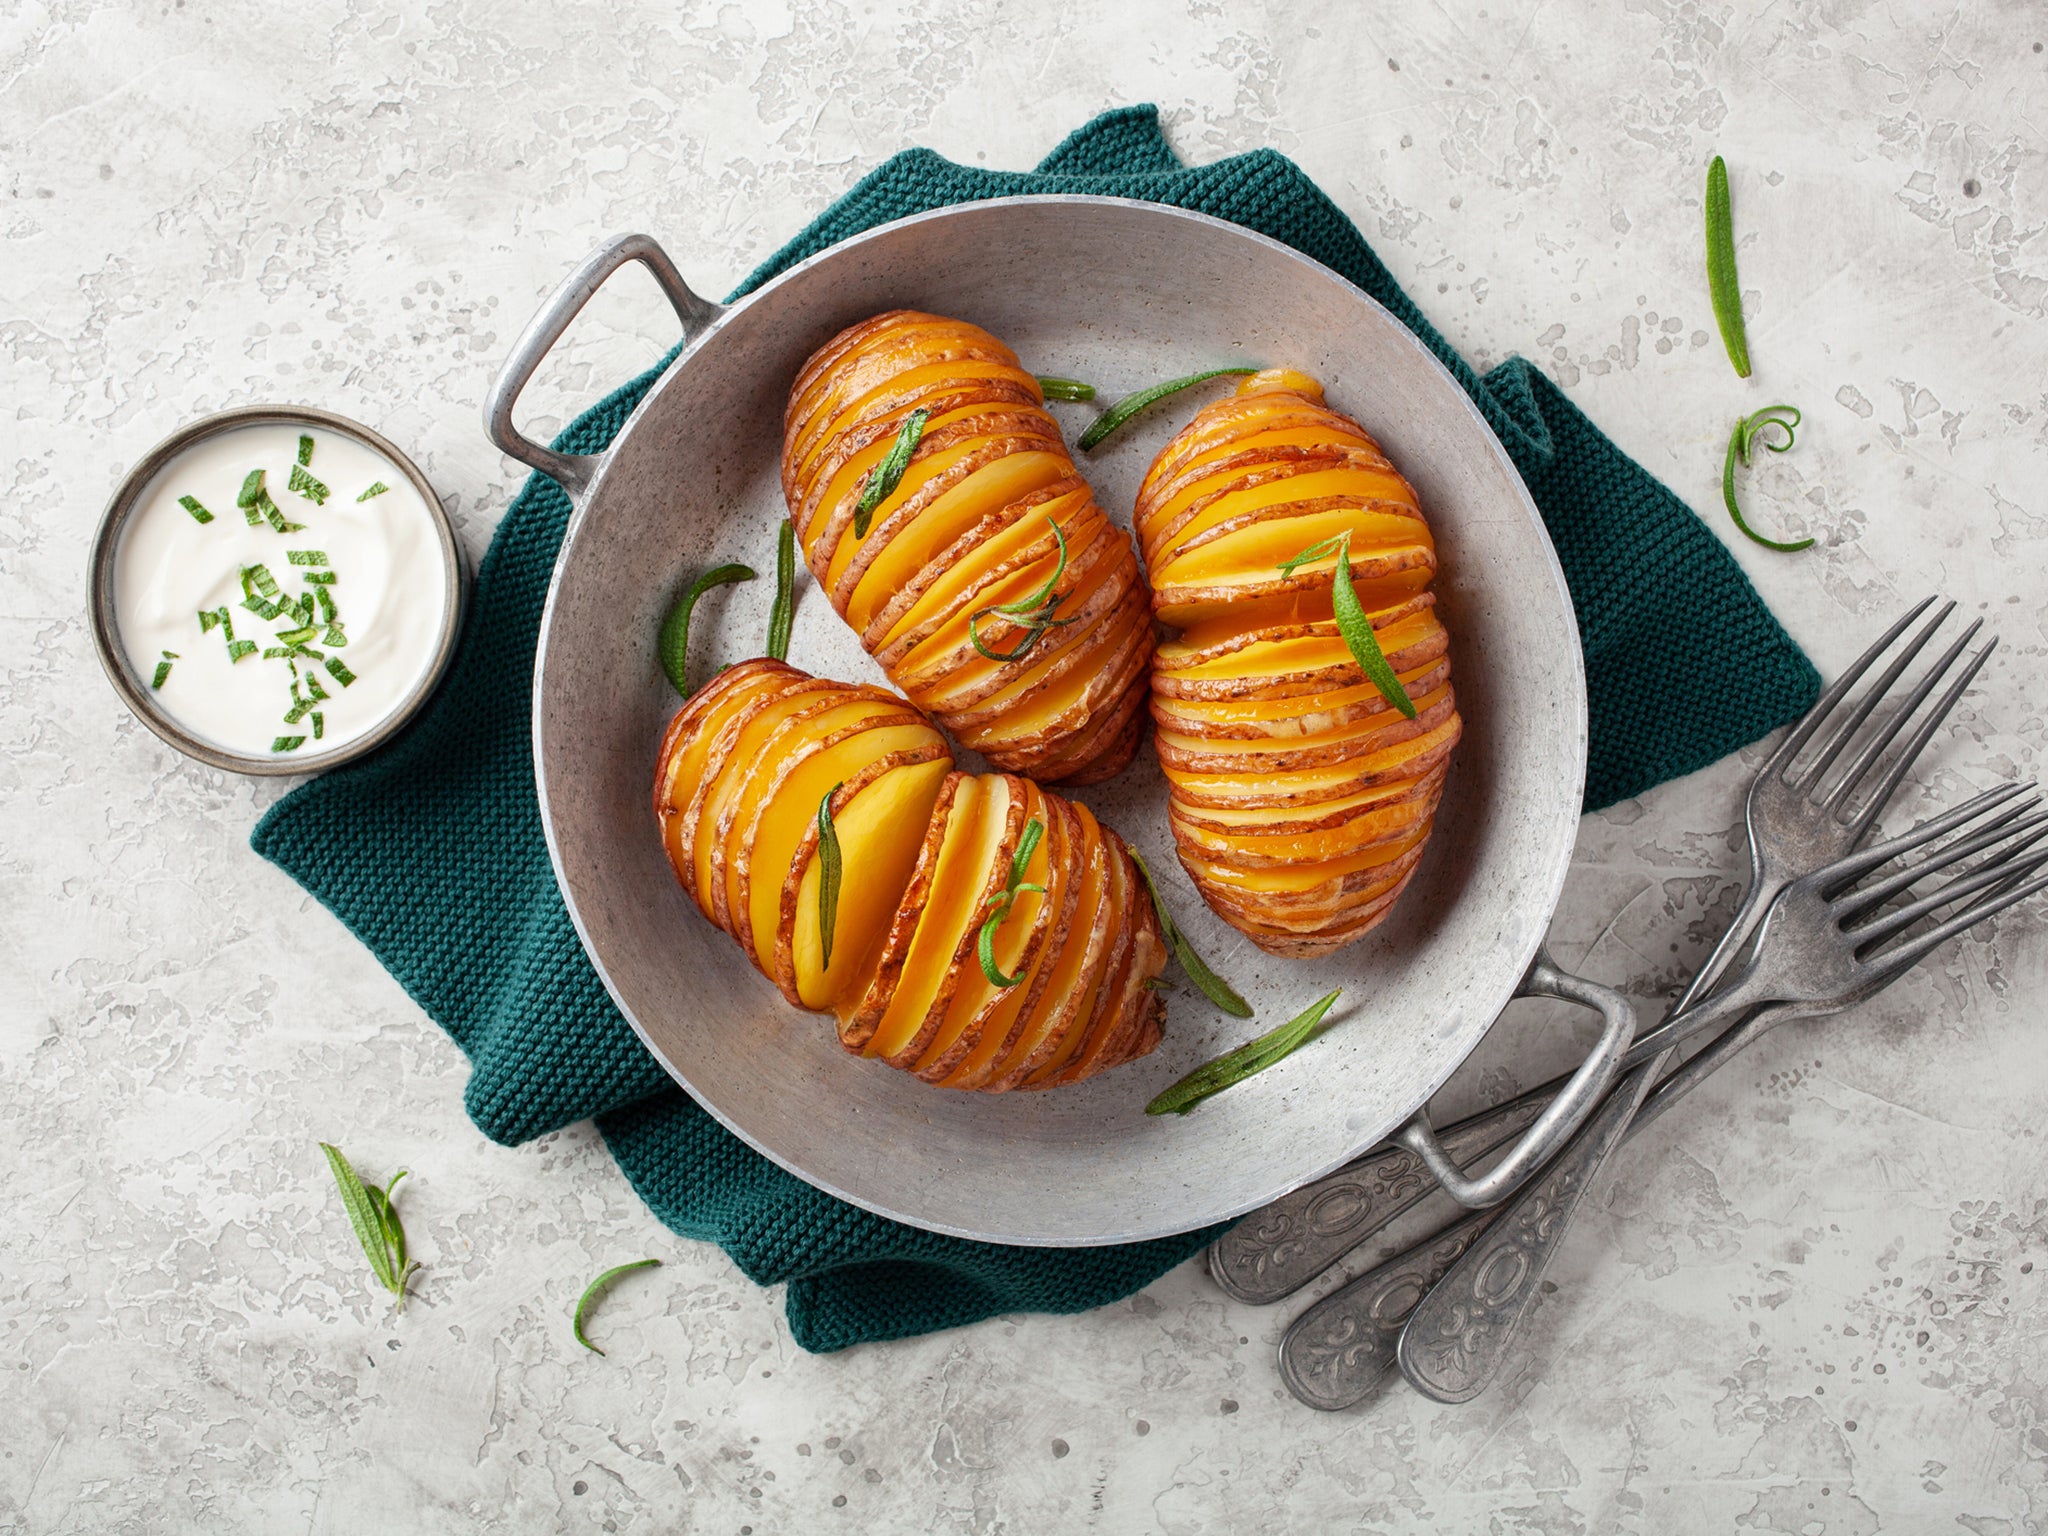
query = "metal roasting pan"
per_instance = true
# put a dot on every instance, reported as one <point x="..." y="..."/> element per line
<point x="1123" y="294"/>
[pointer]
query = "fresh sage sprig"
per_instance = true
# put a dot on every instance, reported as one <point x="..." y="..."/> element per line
<point x="828" y="873"/>
<point x="1131" y="404"/>
<point x="595" y="1289"/>
<point x="1213" y="987"/>
<point x="371" y="1213"/>
<point x="1056" y="388"/>
<point x="1740" y="441"/>
<point x="887" y="475"/>
<point x="1033" y="614"/>
<point x="1722" y="284"/>
<point x="674" y="642"/>
<point x="1247" y="1060"/>
<point x="1354" y="624"/>
<point x="783" y="614"/>
<point x="1003" y="900"/>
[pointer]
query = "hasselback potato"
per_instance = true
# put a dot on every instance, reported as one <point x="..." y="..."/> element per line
<point x="1300" y="794"/>
<point x="976" y="523"/>
<point x="926" y="857"/>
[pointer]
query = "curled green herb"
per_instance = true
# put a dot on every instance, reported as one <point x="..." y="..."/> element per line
<point x="1740" y="441"/>
<point x="377" y="488"/>
<point x="595" y="1289"/>
<point x="1033" y="614"/>
<point x="1213" y="987"/>
<point x="1252" y="1057"/>
<point x="1131" y="404"/>
<point x="1722" y="284"/>
<point x="673" y="644"/>
<point x="374" y="1218"/>
<point x="828" y="873"/>
<point x="307" y="486"/>
<point x="163" y="670"/>
<point x="783" y="613"/>
<point x="1354" y="624"/>
<point x="1055" y="388"/>
<point x="886" y="476"/>
<point x="305" y="449"/>
<point x="1003" y="900"/>
<point x="199" y="513"/>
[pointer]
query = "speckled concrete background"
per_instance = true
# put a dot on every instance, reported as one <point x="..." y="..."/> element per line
<point x="1810" y="1303"/>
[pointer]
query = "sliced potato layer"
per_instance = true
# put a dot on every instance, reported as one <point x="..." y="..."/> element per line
<point x="1300" y="797"/>
<point x="927" y="857"/>
<point x="968" y="528"/>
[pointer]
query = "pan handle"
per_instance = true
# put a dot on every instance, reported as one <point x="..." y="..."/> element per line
<point x="574" y="472"/>
<point x="1574" y="1102"/>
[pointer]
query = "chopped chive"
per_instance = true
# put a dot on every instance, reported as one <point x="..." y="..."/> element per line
<point x="1235" y="1066"/>
<point x="199" y="513"/>
<point x="886" y="476"/>
<point x="319" y="725"/>
<point x="1355" y="625"/>
<point x="252" y="486"/>
<point x="377" y="488"/>
<point x="338" y="670"/>
<point x="783" y="613"/>
<point x="1131" y="404"/>
<point x="163" y="670"/>
<point x="237" y="649"/>
<point x="596" y="1288"/>
<point x="673" y="643"/>
<point x="1739" y="444"/>
<point x="828" y="873"/>
<point x="1213" y="987"/>
<point x="305" y="449"/>
<point x="306" y="556"/>
<point x="1055" y="388"/>
<point x="1722" y="284"/>
<point x="1001" y="903"/>
<point x="287" y="743"/>
<point x="306" y="485"/>
<point x="319" y="578"/>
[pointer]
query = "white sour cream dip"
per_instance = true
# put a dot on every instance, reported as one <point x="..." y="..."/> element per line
<point x="378" y="559"/>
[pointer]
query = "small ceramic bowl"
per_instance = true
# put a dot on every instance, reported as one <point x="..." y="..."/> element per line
<point x="134" y="690"/>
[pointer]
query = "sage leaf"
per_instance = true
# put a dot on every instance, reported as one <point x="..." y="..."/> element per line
<point x="887" y="475"/>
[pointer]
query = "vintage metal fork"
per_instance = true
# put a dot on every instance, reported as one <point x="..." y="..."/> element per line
<point x="1826" y="944"/>
<point x="1796" y="822"/>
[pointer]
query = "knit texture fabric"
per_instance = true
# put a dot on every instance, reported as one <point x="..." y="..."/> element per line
<point x="431" y="850"/>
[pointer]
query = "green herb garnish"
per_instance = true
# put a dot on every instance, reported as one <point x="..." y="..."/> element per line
<point x="1237" y="1065"/>
<point x="237" y="649"/>
<point x="673" y="644"/>
<point x="1055" y="388"/>
<point x="338" y="670"/>
<point x="245" y="498"/>
<point x="377" y="488"/>
<point x="319" y="578"/>
<point x="286" y="743"/>
<point x="1033" y="614"/>
<point x="886" y="476"/>
<point x="319" y="725"/>
<point x="305" y="449"/>
<point x="783" y="614"/>
<point x="1721" y="280"/>
<point x="1213" y="987"/>
<point x="211" y="619"/>
<point x="306" y="485"/>
<point x="370" y="1211"/>
<point x="1740" y="442"/>
<point x="306" y="556"/>
<point x="163" y="670"/>
<point x="1353" y="623"/>
<point x="1003" y="900"/>
<point x="199" y="513"/>
<point x="596" y="1287"/>
<point x="1131" y="404"/>
<point x="328" y="612"/>
<point x="828" y="873"/>
<point x="274" y="513"/>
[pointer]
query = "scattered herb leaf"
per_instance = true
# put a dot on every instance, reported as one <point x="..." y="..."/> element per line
<point x="1055" y="388"/>
<point x="1740" y="441"/>
<point x="306" y="556"/>
<point x="1213" y="987"/>
<point x="371" y="1213"/>
<point x="377" y="488"/>
<point x="307" y="486"/>
<point x="1354" y="624"/>
<point x="1131" y="404"/>
<point x="1003" y="900"/>
<point x="783" y="613"/>
<point x="1033" y="614"/>
<point x="1252" y="1057"/>
<point x="673" y="644"/>
<point x="886" y="476"/>
<point x="1722" y="284"/>
<point x="338" y="670"/>
<point x="199" y="513"/>
<point x="319" y="725"/>
<point x="828" y="873"/>
<point x="287" y="743"/>
<point x="305" y="449"/>
<point x="163" y="670"/>
<point x="596" y="1288"/>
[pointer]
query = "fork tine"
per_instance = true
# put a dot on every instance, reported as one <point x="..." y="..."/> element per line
<point x="1909" y="954"/>
<point x="1860" y="824"/>
<point x="1874" y="695"/>
<point x="1850" y="868"/>
<point x="1997" y="872"/>
<point x="1808" y="723"/>
<point x="1838" y="793"/>
<point x="1864" y="898"/>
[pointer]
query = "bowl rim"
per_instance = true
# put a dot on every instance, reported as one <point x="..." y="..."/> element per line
<point x="106" y="632"/>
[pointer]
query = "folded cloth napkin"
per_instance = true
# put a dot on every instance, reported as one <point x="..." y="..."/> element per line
<point x="431" y="850"/>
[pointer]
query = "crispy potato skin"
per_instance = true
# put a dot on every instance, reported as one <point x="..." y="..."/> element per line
<point x="1300" y="799"/>
<point x="742" y="767"/>
<point x="969" y="527"/>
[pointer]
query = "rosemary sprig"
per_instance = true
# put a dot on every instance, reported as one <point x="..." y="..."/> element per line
<point x="887" y="475"/>
<point x="596" y="1288"/>
<point x="1212" y="986"/>
<point x="1131" y="404"/>
<point x="1033" y="614"/>
<point x="1740" y="441"/>
<point x="374" y="1218"/>
<point x="1722" y="284"/>
<point x="1354" y="624"/>
<point x="1056" y="388"/>
<point x="674" y="641"/>
<point x="1253" y="1057"/>
<point x="783" y="614"/>
<point x="828" y="873"/>
<point x="1003" y="900"/>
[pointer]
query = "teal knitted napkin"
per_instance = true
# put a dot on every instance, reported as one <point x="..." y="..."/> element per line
<point x="431" y="850"/>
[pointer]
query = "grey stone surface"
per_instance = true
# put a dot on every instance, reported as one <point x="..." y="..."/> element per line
<point x="1810" y="1302"/>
